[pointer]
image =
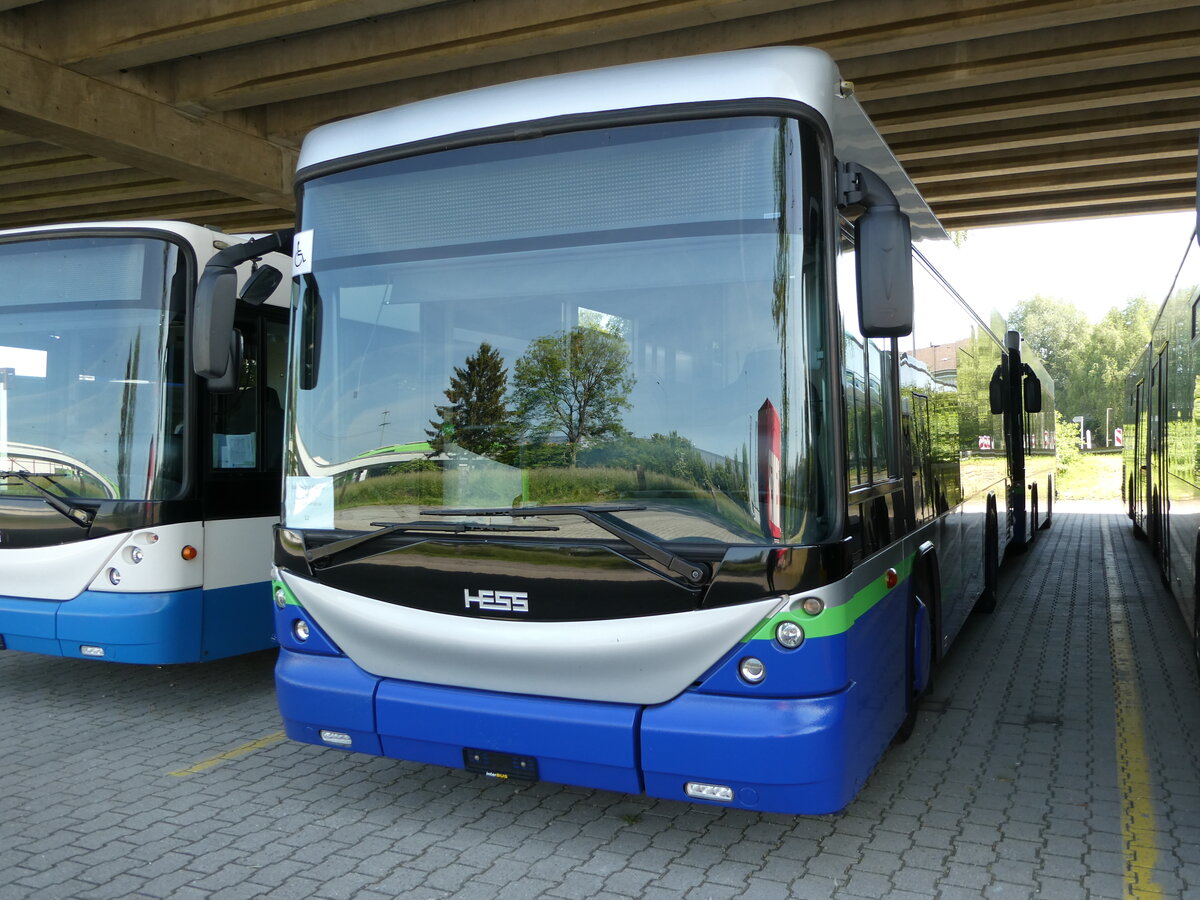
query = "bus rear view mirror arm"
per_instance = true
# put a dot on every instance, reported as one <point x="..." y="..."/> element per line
<point x="883" y="253"/>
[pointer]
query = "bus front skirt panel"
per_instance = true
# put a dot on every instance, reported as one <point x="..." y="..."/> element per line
<point x="656" y="750"/>
<point x="148" y="628"/>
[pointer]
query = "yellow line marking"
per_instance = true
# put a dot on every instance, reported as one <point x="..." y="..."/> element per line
<point x="243" y="750"/>
<point x="1139" y="836"/>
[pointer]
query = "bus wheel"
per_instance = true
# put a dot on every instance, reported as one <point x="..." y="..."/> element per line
<point x="1049" y="501"/>
<point x="991" y="563"/>
<point x="920" y="662"/>
<point x="1033" y="513"/>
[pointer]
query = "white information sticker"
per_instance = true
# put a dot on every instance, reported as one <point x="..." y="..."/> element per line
<point x="302" y="246"/>
<point x="308" y="502"/>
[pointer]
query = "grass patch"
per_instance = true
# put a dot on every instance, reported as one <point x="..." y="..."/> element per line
<point x="1091" y="476"/>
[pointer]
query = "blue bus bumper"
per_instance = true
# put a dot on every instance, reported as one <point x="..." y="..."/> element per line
<point x="152" y="629"/>
<point x="786" y="755"/>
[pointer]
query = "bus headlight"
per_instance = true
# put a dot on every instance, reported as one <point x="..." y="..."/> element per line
<point x="752" y="670"/>
<point x="280" y="597"/>
<point x="300" y="630"/>
<point x="789" y="635"/>
<point x="114" y="576"/>
<point x="135" y="555"/>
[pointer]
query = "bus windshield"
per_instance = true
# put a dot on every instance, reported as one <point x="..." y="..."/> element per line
<point x="630" y="316"/>
<point x="91" y="365"/>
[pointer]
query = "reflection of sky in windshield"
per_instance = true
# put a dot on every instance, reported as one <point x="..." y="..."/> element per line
<point x="671" y="240"/>
<point x="83" y="318"/>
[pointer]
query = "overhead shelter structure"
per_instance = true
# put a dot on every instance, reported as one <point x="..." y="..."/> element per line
<point x="1002" y="112"/>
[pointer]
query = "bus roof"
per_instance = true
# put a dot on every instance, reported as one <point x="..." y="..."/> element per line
<point x="800" y="74"/>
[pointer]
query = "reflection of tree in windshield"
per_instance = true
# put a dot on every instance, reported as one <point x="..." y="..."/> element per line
<point x="477" y="417"/>
<point x="575" y="384"/>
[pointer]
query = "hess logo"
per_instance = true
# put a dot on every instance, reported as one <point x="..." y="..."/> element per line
<point x="497" y="601"/>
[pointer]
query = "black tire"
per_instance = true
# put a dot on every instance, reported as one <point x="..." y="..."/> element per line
<point x="905" y="731"/>
<point x="1033" y="513"/>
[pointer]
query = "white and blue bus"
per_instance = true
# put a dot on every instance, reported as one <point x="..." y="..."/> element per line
<point x="633" y="439"/>
<point x="136" y="502"/>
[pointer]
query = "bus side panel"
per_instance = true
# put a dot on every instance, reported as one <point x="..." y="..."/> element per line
<point x="238" y="620"/>
<point x="148" y="628"/>
<point x="28" y="625"/>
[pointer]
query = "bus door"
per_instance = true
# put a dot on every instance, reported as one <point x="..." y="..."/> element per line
<point x="1159" y="499"/>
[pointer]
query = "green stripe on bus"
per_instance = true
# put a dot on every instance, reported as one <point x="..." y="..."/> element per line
<point x="836" y="619"/>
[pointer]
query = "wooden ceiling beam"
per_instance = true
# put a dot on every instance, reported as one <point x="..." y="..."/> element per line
<point x="445" y="38"/>
<point x="1142" y="176"/>
<point x="984" y="218"/>
<point x="121" y="34"/>
<point x="1070" y="204"/>
<point x="1085" y="126"/>
<point x="1180" y="148"/>
<point x="594" y="33"/>
<point x="190" y="207"/>
<point x="50" y="103"/>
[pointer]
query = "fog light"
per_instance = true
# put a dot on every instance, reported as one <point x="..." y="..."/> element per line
<point x="752" y="670"/>
<point x="337" y="738"/>
<point x="300" y="630"/>
<point x="280" y="597"/>
<point x="814" y="606"/>
<point x="114" y="577"/>
<point x="701" y="791"/>
<point x="789" y="635"/>
<point x="89" y="650"/>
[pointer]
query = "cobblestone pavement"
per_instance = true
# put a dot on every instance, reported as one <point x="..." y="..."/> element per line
<point x="1058" y="756"/>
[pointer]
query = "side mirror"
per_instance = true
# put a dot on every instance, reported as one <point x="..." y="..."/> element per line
<point x="1032" y="389"/>
<point x="261" y="285"/>
<point x="216" y="299"/>
<point x="996" y="392"/>
<point x="883" y="254"/>
<point x="227" y="381"/>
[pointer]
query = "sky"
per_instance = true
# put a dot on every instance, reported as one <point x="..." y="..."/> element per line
<point x="1094" y="263"/>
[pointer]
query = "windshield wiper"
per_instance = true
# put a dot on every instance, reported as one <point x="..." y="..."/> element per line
<point x="80" y="515"/>
<point x="694" y="573"/>
<point x="320" y="558"/>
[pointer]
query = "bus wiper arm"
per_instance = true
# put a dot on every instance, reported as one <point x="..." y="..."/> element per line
<point x="693" y="573"/>
<point x="320" y="558"/>
<point x="80" y="515"/>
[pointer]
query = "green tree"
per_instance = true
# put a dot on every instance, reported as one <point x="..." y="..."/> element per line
<point x="573" y="383"/>
<point x="477" y="417"/>
<point x="1056" y="330"/>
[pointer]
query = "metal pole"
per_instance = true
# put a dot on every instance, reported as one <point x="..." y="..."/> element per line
<point x="1107" y="410"/>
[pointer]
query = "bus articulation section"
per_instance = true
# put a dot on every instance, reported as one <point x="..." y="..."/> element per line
<point x="623" y="450"/>
<point x="136" y="505"/>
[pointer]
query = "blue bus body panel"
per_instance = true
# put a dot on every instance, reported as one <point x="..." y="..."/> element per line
<point x="147" y="628"/>
<point x="326" y="692"/>
<point x="29" y="625"/>
<point x="778" y="755"/>
<point x="803" y="741"/>
<point x="574" y="742"/>
<point x="238" y="620"/>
